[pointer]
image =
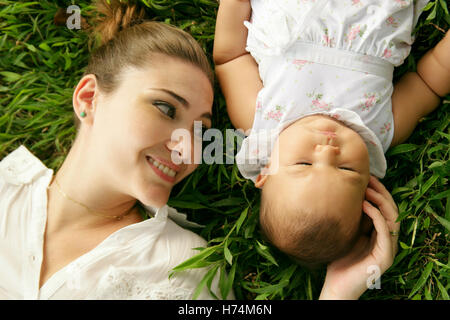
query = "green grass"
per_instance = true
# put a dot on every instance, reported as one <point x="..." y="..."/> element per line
<point x="41" y="63"/>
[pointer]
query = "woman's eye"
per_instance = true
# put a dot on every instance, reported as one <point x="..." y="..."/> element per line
<point x="304" y="163"/>
<point x="345" y="168"/>
<point x="165" y="108"/>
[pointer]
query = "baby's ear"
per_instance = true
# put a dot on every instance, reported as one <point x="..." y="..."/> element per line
<point x="260" y="180"/>
<point x="262" y="177"/>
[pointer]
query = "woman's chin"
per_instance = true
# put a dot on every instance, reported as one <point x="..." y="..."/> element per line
<point x="156" y="198"/>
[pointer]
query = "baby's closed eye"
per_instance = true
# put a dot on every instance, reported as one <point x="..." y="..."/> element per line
<point x="305" y="163"/>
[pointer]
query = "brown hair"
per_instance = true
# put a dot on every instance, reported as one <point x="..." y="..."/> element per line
<point x="307" y="238"/>
<point x="127" y="39"/>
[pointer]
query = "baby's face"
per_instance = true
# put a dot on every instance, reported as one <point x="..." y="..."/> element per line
<point x="323" y="165"/>
<point x="319" y="143"/>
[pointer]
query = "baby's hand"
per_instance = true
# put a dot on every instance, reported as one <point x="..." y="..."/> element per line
<point x="350" y="276"/>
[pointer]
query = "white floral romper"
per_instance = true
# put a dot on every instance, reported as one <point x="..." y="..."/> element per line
<point x="332" y="57"/>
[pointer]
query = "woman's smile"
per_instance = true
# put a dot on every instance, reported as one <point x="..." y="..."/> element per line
<point x="163" y="170"/>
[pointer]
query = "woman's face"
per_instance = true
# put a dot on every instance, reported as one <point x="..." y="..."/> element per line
<point x="132" y="127"/>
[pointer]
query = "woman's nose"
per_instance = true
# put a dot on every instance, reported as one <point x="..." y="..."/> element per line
<point x="180" y="148"/>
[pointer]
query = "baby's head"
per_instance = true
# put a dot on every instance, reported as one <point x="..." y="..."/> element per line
<point x="311" y="205"/>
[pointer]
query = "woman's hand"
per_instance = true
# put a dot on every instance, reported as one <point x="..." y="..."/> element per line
<point x="350" y="276"/>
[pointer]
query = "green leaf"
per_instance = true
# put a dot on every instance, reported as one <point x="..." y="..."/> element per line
<point x="442" y="289"/>
<point x="436" y="164"/>
<point x="226" y="282"/>
<point x="195" y="259"/>
<point x="442" y="221"/>
<point x="227" y="253"/>
<point x="10" y="76"/>
<point x="444" y="6"/>
<point x="207" y="278"/>
<point x="241" y="219"/>
<point x="227" y="202"/>
<point x="270" y="288"/>
<point x="402" y="148"/>
<point x="404" y="245"/>
<point x="31" y="47"/>
<point x="428" y="6"/>
<point x="441" y="195"/>
<point x="264" y="251"/>
<point x="427" y="185"/>
<point x="186" y="204"/>
<point x="45" y="47"/>
<point x="432" y="15"/>
<point x="445" y="135"/>
<point x="423" y="279"/>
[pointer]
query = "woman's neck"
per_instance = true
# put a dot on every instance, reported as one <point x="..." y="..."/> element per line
<point x="81" y="196"/>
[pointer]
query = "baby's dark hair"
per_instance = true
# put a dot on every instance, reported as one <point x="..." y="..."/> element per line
<point x="310" y="239"/>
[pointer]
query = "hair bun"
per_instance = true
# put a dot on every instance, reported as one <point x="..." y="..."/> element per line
<point x="114" y="16"/>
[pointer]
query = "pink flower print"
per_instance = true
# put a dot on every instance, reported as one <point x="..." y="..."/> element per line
<point x="356" y="3"/>
<point x="354" y="32"/>
<point x="385" y="128"/>
<point x="275" y="114"/>
<point x="300" y="63"/>
<point x="402" y="3"/>
<point x="320" y="105"/>
<point x="258" y="106"/>
<point x="317" y="104"/>
<point x="387" y="53"/>
<point x="371" y="99"/>
<point x="328" y="41"/>
<point x="392" y="22"/>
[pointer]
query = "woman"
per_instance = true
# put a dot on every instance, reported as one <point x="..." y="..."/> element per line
<point x="78" y="234"/>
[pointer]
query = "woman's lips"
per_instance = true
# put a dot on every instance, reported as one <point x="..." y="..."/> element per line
<point x="163" y="171"/>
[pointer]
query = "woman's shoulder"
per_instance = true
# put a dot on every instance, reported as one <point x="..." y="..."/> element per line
<point x="21" y="167"/>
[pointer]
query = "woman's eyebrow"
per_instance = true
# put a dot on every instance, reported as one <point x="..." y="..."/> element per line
<point x="180" y="99"/>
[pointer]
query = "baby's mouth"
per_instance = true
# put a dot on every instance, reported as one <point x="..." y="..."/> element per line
<point x="329" y="134"/>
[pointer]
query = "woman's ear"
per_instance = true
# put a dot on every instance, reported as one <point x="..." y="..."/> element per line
<point x="84" y="98"/>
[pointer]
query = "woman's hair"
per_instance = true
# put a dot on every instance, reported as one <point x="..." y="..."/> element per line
<point x="127" y="39"/>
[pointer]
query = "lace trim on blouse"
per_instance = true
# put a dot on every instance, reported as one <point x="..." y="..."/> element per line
<point x="118" y="284"/>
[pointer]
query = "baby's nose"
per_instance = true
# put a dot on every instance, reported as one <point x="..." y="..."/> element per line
<point x="326" y="148"/>
<point x="326" y="153"/>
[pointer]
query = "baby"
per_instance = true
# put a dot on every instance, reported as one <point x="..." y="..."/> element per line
<point x="313" y="81"/>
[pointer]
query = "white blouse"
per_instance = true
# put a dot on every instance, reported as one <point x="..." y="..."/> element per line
<point x="132" y="263"/>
